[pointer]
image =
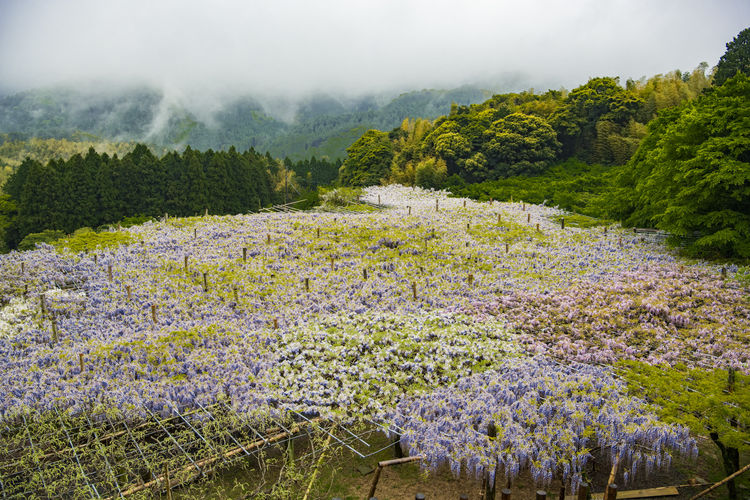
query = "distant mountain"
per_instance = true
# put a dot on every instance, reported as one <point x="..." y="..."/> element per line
<point x="320" y="125"/>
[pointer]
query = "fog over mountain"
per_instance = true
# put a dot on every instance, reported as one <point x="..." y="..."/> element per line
<point x="182" y="71"/>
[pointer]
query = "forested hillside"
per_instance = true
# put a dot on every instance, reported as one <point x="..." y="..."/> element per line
<point x="670" y="152"/>
<point x="320" y="126"/>
<point x="95" y="189"/>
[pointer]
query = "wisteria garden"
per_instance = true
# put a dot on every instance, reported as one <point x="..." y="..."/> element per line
<point x="485" y="335"/>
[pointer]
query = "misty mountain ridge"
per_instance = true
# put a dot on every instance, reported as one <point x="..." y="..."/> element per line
<point x="318" y="125"/>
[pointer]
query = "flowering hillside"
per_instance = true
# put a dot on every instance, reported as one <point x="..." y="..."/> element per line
<point x="434" y="315"/>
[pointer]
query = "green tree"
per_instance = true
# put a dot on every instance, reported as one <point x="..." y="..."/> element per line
<point x="691" y="174"/>
<point x="599" y="99"/>
<point x="519" y="144"/>
<point x="713" y="402"/>
<point x="736" y="58"/>
<point x="368" y="160"/>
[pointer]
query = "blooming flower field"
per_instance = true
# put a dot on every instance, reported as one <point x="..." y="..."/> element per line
<point x="434" y="316"/>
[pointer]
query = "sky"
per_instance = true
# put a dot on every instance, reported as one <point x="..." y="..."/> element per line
<point x="350" y="47"/>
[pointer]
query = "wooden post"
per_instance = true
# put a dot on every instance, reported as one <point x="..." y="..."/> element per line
<point x="244" y="253"/>
<point x="185" y="259"/>
<point x="537" y="227"/>
<point x="523" y="207"/>
<point x="562" y="223"/>
<point x="414" y="290"/>
<point x="195" y="233"/>
<point x="541" y="495"/>
<point x="490" y="201"/>
<point x="489" y="486"/>
<point x="166" y="480"/>
<point x="528" y="218"/>
<point x="236" y="297"/>
<point x="498" y="219"/>
<point x="619" y="240"/>
<point x="332" y="265"/>
<point x="23" y="267"/>
<point x="505" y="494"/>
<point x="307" y="284"/>
<point x="25" y="289"/>
<point x="375" y="482"/>
<point x="583" y="491"/>
<point x="80" y="360"/>
<point x="507" y="248"/>
<point x="409" y="210"/>
<point x="611" y="492"/>
<point x="437" y="205"/>
<point x="364" y="273"/>
<point x="398" y="451"/>
<point x="471" y="279"/>
<point x="378" y="199"/>
<point x="96" y="258"/>
<point x="605" y="229"/>
<point x="268" y="238"/>
<point x="127" y="289"/>
<point x="275" y="323"/>
<point x="205" y="282"/>
<point x="318" y="232"/>
<point x="109" y="272"/>
<point x="42" y="304"/>
<point x="464" y="203"/>
<point x="468" y="226"/>
<point x="153" y="313"/>
<point x="55" y="336"/>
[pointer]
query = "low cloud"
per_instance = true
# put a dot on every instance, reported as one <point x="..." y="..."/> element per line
<point x="206" y="51"/>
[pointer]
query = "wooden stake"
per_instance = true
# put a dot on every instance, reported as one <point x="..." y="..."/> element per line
<point x="489" y="486"/>
<point x="562" y="223"/>
<point x="414" y="290"/>
<point x="611" y="492"/>
<point x="205" y="282"/>
<point x="167" y="481"/>
<point x="42" y="304"/>
<point x="464" y="203"/>
<point x="153" y="313"/>
<point x="583" y="491"/>
<point x="332" y="265"/>
<point x="268" y="238"/>
<point x="523" y="207"/>
<point x="275" y="323"/>
<point x="364" y="273"/>
<point x="23" y="267"/>
<point x="490" y="201"/>
<point x="127" y="289"/>
<point x="507" y="248"/>
<point x="109" y="272"/>
<point x="467" y="226"/>
<point x="96" y="258"/>
<point x="605" y="229"/>
<point x="195" y="233"/>
<point x="244" y="253"/>
<point x="498" y="219"/>
<point x="537" y="227"/>
<point x="80" y="360"/>
<point x="528" y="218"/>
<point x="55" y="336"/>
<point x="378" y="199"/>
<point x="307" y="284"/>
<point x="318" y="232"/>
<point x="437" y="204"/>
<point x="471" y="279"/>
<point x="409" y="210"/>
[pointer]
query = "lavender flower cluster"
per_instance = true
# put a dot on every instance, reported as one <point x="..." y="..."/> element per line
<point x="548" y="417"/>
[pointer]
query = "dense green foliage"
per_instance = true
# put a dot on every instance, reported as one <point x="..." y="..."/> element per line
<point x="13" y="150"/>
<point x="709" y="402"/>
<point x="369" y="160"/>
<point x="525" y="133"/>
<point x="93" y="190"/>
<point x="571" y="185"/>
<point x="736" y="58"/>
<point x="691" y="175"/>
<point x="320" y="126"/>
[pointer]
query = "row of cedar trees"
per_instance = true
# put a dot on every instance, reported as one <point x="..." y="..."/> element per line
<point x="96" y="189"/>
